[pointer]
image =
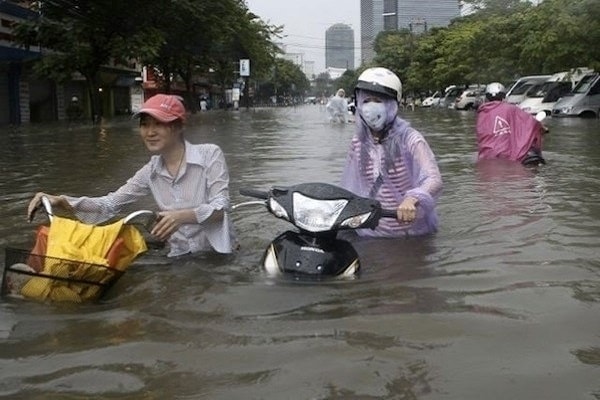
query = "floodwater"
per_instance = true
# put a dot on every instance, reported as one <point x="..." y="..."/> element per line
<point x="502" y="303"/>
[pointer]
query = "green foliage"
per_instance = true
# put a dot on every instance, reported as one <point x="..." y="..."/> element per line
<point x="288" y="79"/>
<point x="83" y="36"/>
<point x="394" y="50"/>
<point x="504" y="39"/>
<point x="347" y="82"/>
<point x="179" y="38"/>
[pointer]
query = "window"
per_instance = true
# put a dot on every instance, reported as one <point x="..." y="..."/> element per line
<point x="596" y="88"/>
<point x="390" y="15"/>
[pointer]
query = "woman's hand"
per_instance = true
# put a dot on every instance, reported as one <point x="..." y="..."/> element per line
<point x="407" y="210"/>
<point x="36" y="203"/>
<point x="168" y="222"/>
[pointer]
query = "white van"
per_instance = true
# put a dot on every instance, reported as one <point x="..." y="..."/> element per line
<point x="583" y="101"/>
<point x="543" y="96"/>
<point x="521" y="87"/>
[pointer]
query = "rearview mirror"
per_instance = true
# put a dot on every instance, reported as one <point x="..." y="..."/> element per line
<point x="540" y="116"/>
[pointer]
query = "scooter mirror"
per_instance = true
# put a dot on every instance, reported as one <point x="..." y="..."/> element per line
<point x="540" y="116"/>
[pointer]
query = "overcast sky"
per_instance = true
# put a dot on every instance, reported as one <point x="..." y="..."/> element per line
<point x="305" y="23"/>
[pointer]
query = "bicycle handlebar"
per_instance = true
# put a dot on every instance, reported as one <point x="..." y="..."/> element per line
<point x="257" y="194"/>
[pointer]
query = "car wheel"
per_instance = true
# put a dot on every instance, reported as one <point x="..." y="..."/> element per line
<point x="587" y="114"/>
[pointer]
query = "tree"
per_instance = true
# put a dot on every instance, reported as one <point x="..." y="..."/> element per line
<point x="394" y="50"/>
<point x="83" y="36"/>
<point x="288" y="79"/>
<point x="561" y="35"/>
<point x="347" y="81"/>
<point x="179" y="38"/>
<point x="426" y="55"/>
<point x="201" y="35"/>
<point x="323" y="84"/>
<point x="246" y="36"/>
<point x="501" y="41"/>
<point x="496" y="6"/>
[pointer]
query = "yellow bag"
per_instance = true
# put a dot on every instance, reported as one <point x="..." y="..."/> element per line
<point x="86" y="257"/>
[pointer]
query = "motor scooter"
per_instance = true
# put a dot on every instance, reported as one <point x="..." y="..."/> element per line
<point x="534" y="157"/>
<point x="319" y="211"/>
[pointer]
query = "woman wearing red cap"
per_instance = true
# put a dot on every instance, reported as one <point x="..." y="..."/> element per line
<point x="189" y="182"/>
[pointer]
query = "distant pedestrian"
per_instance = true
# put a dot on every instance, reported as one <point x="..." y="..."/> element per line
<point x="203" y="104"/>
<point x="337" y="107"/>
<point x="74" y="110"/>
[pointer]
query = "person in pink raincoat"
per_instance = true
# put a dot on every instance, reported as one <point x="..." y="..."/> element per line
<point x="505" y="131"/>
<point x="390" y="161"/>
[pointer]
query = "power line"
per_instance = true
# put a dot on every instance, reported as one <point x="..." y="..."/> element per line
<point x="321" y="47"/>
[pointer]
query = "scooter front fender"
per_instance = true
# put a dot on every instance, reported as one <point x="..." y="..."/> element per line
<point x="313" y="257"/>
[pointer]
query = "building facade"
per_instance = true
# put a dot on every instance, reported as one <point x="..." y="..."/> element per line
<point x="26" y="97"/>
<point x="339" y="47"/>
<point x="416" y="16"/>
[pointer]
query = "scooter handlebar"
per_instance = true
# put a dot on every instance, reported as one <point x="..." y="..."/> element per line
<point x="389" y="214"/>
<point x="257" y="194"/>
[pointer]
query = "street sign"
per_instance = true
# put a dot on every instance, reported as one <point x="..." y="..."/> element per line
<point x="244" y="67"/>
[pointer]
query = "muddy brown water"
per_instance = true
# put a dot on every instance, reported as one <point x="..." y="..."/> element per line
<point x="502" y="303"/>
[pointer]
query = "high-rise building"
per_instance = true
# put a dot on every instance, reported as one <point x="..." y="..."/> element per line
<point x="415" y="15"/>
<point x="339" y="47"/>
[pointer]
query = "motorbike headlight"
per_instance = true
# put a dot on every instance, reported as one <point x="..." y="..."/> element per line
<point x="356" y="221"/>
<point x="277" y="209"/>
<point x="316" y="215"/>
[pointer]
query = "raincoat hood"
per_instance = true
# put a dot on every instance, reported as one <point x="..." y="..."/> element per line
<point x="391" y="110"/>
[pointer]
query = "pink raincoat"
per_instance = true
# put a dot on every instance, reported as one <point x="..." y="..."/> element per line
<point x="505" y="131"/>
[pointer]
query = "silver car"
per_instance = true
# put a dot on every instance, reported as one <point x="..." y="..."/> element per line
<point x="583" y="101"/>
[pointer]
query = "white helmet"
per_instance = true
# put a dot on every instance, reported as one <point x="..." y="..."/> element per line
<point x="380" y="80"/>
<point x="495" y="90"/>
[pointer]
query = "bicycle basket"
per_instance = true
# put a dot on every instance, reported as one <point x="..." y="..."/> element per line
<point x="58" y="280"/>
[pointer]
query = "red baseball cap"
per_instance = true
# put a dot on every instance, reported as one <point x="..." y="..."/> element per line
<point x="163" y="107"/>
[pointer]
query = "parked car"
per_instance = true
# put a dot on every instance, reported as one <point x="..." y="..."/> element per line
<point x="470" y="98"/>
<point x="543" y="96"/>
<point x="582" y="101"/>
<point x="433" y="100"/>
<point x="518" y="90"/>
<point x="450" y="95"/>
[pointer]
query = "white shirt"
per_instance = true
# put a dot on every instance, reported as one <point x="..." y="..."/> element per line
<point x="202" y="184"/>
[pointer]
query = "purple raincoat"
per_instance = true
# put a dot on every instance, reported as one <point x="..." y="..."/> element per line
<point x="401" y="165"/>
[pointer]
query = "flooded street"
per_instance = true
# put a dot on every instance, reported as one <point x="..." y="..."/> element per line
<point x="502" y="303"/>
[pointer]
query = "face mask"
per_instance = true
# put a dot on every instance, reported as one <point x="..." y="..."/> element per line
<point x="374" y="115"/>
